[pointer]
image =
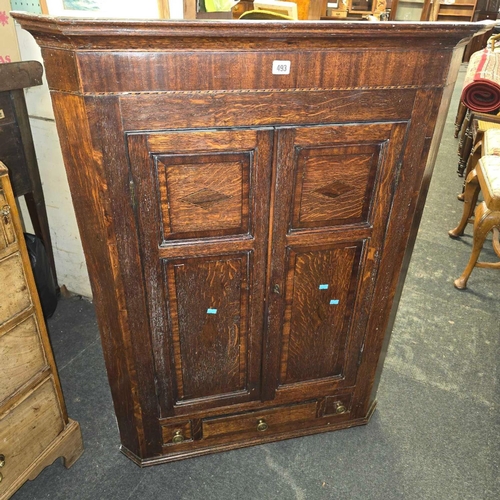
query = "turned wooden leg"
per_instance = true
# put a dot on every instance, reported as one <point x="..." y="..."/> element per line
<point x="471" y="163"/>
<point x="463" y="132"/>
<point x="465" y="152"/>
<point x="470" y="199"/>
<point x="461" y="112"/>
<point x="484" y="221"/>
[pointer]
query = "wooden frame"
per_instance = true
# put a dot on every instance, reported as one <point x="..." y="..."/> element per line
<point x="345" y="9"/>
<point x="149" y="9"/>
<point x="287" y="8"/>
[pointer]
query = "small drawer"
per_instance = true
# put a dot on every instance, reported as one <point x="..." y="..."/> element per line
<point x="337" y="405"/>
<point x="27" y="430"/>
<point x="22" y="356"/>
<point x="259" y="423"/>
<point x="16" y="296"/>
<point x="175" y="434"/>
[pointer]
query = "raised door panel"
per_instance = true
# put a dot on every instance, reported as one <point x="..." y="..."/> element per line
<point x="204" y="195"/>
<point x="334" y="187"/>
<point x="320" y="285"/>
<point x="208" y="306"/>
<point x="202" y="203"/>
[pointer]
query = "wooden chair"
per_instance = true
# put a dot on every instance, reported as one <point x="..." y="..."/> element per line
<point x="459" y="119"/>
<point x="485" y="178"/>
<point x="480" y="124"/>
<point x="470" y="133"/>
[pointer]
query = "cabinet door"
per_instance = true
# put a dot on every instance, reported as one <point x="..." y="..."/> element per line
<point x="202" y="202"/>
<point x="333" y="192"/>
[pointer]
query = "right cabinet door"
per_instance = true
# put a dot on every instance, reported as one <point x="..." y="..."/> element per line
<point x="333" y="193"/>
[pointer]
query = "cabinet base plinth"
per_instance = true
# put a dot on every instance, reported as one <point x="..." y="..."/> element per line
<point x="216" y="448"/>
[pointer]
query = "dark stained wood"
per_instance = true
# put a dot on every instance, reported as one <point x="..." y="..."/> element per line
<point x="92" y="34"/>
<point x="178" y="328"/>
<point x="65" y="74"/>
<point x="319" y="295"/>
<point x="166" y="71"/>
<point x="245" y="232"/>
<point x="209" y="303"/>
<point x="20" y="75"/>
<point x="244" y="426"/>
<point x="223" y="109"/>
<point x="11" y="149"/>
<point x="17" y="150"/>
<point x="87" y="190"/>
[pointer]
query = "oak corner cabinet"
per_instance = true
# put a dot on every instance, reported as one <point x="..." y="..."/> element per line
<point x="34" y="426"/>
<point x="248" y="194"/>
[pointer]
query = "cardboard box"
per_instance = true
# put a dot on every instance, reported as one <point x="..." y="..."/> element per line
<point x="9" y="49"/>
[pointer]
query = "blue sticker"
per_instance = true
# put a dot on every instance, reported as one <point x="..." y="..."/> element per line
<point x="334" y="302"/>
<point x="211" y="311"/>
<point x="323" y="287"/>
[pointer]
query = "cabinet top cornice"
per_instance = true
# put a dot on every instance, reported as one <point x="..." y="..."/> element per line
<point x="138" y="34"/>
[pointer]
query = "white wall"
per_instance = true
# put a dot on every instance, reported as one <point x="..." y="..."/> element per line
<point x="68" y="253"/>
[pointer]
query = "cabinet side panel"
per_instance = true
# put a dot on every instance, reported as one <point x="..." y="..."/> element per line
<point x="89" y="195"/>
<point x="109" y="143"/>
<point x="396" y="240"/>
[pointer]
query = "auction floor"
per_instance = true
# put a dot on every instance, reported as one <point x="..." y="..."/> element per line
<point x="435" y="434"/>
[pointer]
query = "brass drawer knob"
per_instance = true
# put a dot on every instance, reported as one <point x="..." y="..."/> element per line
<point x="2" y="460"/>
<point x="178" y="437"/>
<point x="5" y="213"/>
<point x="262" y="425"/>
<point x="340" y="408"/>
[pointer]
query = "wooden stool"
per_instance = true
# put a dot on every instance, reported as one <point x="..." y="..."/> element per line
<point x="485" y="177"/>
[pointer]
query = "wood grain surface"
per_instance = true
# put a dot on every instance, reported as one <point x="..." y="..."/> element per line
<point x="246" y="233"/>
<point x="34" y="427"/>
<point x="22" y="356"/>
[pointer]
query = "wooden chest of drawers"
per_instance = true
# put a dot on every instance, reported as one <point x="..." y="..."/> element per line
<point x="248" y="195"/>
<point x="34" y="427"/>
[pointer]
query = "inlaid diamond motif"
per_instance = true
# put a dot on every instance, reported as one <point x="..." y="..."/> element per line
<point x="205" y="198"/>
<point x="335" y="189"/>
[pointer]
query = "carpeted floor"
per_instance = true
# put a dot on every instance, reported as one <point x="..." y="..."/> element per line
<point x="435" y="434"/>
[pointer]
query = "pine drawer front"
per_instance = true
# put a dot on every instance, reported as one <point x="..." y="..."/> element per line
<point x="22" y="356"/>
<point x="17" y="296"/>
<point x="27" y="429"/>
<point x="258" y="424"/>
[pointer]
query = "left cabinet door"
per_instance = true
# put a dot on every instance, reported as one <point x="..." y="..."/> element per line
<point x="202" y="206"/>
